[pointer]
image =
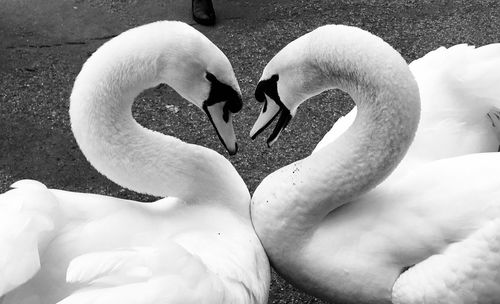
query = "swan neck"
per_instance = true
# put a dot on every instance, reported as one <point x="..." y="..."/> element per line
<point x="135" y="157"/>
<point x="303" y="193"/>
<point x="365" y="154"/>
<point x="388" y="103"/>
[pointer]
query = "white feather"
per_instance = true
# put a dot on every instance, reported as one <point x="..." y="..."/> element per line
<point x="335" y="225"/>
<point x="458" y="88"/>
<point x="195" y="246"/>
<point x="27" y="216"/>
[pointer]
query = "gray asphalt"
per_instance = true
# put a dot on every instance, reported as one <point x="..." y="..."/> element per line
<point x="43" y="44"/>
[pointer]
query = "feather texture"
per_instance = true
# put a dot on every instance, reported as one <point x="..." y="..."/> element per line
<point x="197" y="245"/>
<point x="370" y="216"/>
<point x="457" y="90"/>
<point x="27" y="219"/>
<point x="465" y="272"/>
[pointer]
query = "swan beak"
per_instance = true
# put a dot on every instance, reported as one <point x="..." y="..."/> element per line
<point x="269" y="111"/>
<point x="221" y="118"/>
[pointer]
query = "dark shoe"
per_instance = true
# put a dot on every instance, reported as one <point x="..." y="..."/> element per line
<point x="203" y="12"/>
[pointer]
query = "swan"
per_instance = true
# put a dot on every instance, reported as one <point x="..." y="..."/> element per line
<point x="195" y="246"/>
<point x="460" y="105"/>
<point x="328" y="222"/>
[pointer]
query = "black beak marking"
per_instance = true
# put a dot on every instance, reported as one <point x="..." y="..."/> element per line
<point x="269" y="87"/>
<point x="283" y="121"/>
<point x="220" y="92"/>
<point x="266" y="125"/>
<point x="225" y="114"/>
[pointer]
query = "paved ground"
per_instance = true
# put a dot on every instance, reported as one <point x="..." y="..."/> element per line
<point x="43" y="44"/>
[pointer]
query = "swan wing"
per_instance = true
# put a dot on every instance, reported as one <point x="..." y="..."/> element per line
<point x="466" y="272"/>
<point x="127" y="265"/>
<point x="458" y="88"/>
<point x="459" y="78"/>
<point x="166" y="274"/>
<point x="27" y="220"/>
<point x="442" y="221"/>
<point x="148" y="292"/>
<point x="452" y="233"/>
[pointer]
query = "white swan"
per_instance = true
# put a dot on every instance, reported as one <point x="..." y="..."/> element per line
<point x="197" y="246"/>
<point x="460" y="102"/>
<point x="432" y="236"/>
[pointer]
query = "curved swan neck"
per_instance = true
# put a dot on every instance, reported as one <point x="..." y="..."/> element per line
<point x="380" y="83"/>
<point x="131" y="155"/>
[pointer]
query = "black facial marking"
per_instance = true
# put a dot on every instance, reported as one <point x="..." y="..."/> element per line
<point x="283" y="121"/>
<point x="211" y="77"/>
<point x="220" y="92"/>
<point x="225" y="114"/>
<point x="266" y="125"/>
<point x="269" y="87"/>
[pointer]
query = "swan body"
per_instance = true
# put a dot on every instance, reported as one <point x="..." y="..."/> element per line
<point x="332" y="226"/>
<point x="460" y="102"/>
<point x="195" y="246"/>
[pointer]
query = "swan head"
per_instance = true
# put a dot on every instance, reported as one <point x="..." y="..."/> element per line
<point x="332" y="56"/>
<point x="222" y="101"/>
<point x="288" y="79"/>
<point x="200" y="72"/>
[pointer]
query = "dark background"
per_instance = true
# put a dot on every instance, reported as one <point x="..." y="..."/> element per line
<point x="43" y="44"/>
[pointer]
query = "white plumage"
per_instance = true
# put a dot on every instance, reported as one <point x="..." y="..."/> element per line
<point x="195" y="247"/>
<point x="460" y="101"/>
<point x="341" y="223"/>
